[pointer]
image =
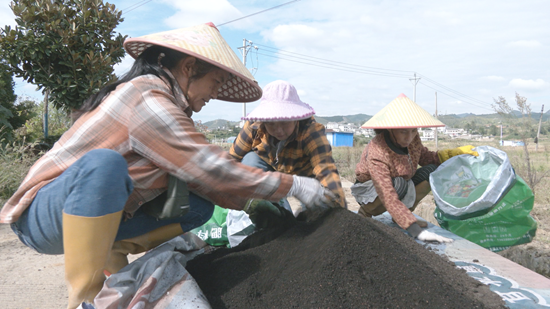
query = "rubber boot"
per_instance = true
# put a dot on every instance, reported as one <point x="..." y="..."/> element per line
<point x="118" y="258"/>
<point x="87" y="242"/>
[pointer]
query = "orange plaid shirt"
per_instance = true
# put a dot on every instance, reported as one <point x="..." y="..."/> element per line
<point x="153" y="130"/>
<point x="307" y="152"/>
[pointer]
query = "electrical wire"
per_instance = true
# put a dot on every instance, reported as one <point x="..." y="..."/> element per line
<point x="135" y="6"/>
<point x="451" y="90"/>
<point x="278" y="6"/>
<point x="332" y="61"/>
<point x="342" y="66"/>
<point x="336" y="67"/>
<point x="452" y="96"/>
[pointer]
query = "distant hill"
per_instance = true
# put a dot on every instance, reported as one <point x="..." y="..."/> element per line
<point x="358" y="119"/>
<point x="450" y="120"/>
<point x="220" y="124"/>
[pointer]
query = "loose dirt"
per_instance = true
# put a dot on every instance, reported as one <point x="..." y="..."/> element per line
<point x="32" y="280"/>
<point x="338" y="261"/>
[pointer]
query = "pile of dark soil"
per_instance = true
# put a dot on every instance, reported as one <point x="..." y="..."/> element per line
<point x="338" y="261"/>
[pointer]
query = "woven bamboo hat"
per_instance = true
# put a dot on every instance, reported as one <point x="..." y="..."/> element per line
<point x="402" y="113"/>
<point x="280" y="102"/>
<point x="206" y="43"/>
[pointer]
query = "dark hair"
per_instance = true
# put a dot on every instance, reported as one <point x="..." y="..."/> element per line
<point x="379" y="131"/>
<point x="147" y="63"/>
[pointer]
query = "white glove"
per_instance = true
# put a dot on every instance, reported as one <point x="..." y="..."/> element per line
<point x="429" y="236"/>
<point x="310" y="192"/>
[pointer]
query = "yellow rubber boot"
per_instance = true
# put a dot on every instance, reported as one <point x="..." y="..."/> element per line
<point x="87" y="242"/>
<point x="118" y="258"/>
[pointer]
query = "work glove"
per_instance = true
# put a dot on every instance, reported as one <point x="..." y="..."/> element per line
<point x="264" y="214"/>
<point x="311" y="193"/>
<point x="431" y="237"/>
<point x="446" y="154"/>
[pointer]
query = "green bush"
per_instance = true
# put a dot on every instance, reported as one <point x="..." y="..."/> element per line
<point x="16" y="159"/>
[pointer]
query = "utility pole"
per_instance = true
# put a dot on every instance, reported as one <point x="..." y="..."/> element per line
<point x="244" y="50"/>
<point x="501" y="134"/>
<point x="435" y="118"/>
<point x="538" y="132"/>
<point x="414" y="81"/>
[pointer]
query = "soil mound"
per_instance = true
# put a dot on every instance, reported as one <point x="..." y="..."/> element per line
<point x="338" y="261"/>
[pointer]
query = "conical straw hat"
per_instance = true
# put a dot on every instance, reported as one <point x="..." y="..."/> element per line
<point x="402" y="113"/>
<point x="280" y="102"/>
<point x="206" y="43"/>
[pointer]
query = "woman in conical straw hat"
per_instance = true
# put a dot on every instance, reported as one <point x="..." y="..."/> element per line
<point x="281" y="134"/>
<point x="85" y="197"/>
<point x="387" y="174"/>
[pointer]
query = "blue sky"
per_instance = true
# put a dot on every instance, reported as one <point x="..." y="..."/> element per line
<point x="347" y="57"/>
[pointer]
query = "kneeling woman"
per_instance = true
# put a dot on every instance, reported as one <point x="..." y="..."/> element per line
<point x="387" y="176"/>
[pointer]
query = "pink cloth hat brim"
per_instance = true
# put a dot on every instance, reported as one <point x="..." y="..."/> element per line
<point x="280" y="102"/>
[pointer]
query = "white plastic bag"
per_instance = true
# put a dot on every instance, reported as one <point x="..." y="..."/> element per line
<point x="468" y="184"/>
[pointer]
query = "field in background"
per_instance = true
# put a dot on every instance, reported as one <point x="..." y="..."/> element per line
<point x="346" y="159"/>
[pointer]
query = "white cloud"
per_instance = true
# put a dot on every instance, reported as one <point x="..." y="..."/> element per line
<point x="6" y="15"/>
<point x="298" y="35"/>
<point x="528" y="84"/>
<point x="124" y="66"/>
<point x="494" y="78"/>
<point x="457" y="48"/>
<point x="525" y="44"/>
<point x="191" y="12"/>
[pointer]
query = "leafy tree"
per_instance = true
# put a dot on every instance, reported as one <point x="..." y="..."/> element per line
<point x="493" y="130"/>
<point x="7" y="98"/>
<point x="524" y="130"/>
<point x="59" y="122"/>
<point x="65" y="47"/>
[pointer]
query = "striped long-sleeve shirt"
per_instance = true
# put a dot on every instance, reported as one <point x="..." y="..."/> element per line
<point x="306" y="152"/>
<point x="153" y="130"/>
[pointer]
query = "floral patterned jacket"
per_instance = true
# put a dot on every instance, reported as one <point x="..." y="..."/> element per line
<point x="380" y="163"/>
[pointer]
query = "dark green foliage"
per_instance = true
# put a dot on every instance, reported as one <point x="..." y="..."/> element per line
<point x="7" y="97"/>
<point x="68" y="47"/>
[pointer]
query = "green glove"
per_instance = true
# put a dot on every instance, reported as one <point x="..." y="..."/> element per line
<point x="263" y="213"/>
<point x="446" y="154"/>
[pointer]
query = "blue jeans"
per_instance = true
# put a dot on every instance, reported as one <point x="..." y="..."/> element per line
<point x="95" y="185"/>
<point x="252" y="159"/>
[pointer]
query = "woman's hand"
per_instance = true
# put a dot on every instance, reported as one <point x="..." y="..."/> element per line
<point x="311" y="193"/>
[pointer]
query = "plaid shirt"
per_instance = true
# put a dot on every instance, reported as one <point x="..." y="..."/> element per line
<point x="306" y="152"/>
<point x="153" y="130"/>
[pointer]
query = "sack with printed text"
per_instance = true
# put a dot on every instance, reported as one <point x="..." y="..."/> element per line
<point x="226" y="227"/>
<point x="482" y="199"/>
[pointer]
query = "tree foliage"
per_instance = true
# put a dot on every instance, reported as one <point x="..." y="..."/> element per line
<point x="7" y="96"/>
<point x="524" y="129"/>
<point x="67" y="47"/>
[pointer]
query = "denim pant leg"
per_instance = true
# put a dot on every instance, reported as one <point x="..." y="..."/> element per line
<point x="200" y="211"/>
<point x="252" y="159"/>
<point x="95" y="185"/>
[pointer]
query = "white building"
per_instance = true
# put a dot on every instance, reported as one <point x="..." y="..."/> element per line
<point x="455" y="132"/>
<point x="332" y="126"/>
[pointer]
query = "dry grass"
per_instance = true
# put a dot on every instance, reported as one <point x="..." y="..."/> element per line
<point x="347" y="157"/>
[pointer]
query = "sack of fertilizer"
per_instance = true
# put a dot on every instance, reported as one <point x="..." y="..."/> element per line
<point x="226" y="227"/>
<point x="482" y="199"/>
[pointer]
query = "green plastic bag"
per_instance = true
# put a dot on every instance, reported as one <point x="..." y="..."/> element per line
<point x="214" y="231"/>
<point x="507" y="223"/>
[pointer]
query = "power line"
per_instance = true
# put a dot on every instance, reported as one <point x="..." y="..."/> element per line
<point x="452" y="96"/>
<point x="454" y="91"/>
<point x="278" y="6"/>
<point x="361" y="69"/>
<point x="332" y="61"/>
<point x="335" y="67"/>
<point x="135" y="6"/>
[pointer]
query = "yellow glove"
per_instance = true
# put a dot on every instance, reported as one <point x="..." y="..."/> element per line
<point x="446" y="154"/>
